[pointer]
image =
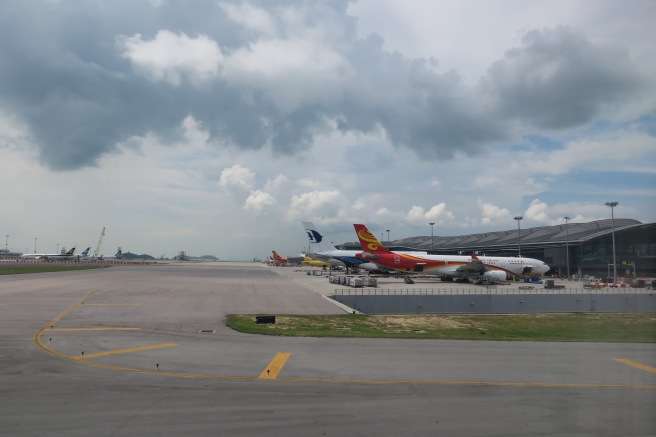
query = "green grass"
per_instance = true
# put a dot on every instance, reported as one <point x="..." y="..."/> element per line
<point x="626" y="328"/>
<point x="27" y="268"/>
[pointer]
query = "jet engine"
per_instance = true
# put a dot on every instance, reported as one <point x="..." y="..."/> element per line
<point x="495" y="275"/>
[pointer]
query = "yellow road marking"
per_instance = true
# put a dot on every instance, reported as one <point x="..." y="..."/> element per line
<point x="123" y="351"/>
<point x="275" y="366"/>
<point x="93" y="329"/>
<point x="39" y="342"/>
<point x="634" y="364"/>
<point x="50" y="324"/>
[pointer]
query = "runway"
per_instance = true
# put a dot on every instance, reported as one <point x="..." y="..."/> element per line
<point x="144" y="350"/>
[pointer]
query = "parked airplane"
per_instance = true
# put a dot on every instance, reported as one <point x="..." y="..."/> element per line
<point x="310" y="262"/>
<point x="278" y="258"/>
<point x="321" y="250"/>
<point x="62" y="255"/>
<point x="85" y="254"/>
<point x="449" y="267"/>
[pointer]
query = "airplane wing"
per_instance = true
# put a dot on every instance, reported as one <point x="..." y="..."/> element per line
<point x="318" y="256"/>
<point x="474" y="267"/>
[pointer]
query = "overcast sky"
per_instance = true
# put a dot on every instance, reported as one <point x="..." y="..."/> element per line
<point x="215" y="127"/>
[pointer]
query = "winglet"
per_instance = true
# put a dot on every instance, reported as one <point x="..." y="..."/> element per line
<point x="369" y="243"/>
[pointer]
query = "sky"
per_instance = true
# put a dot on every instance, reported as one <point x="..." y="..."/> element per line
<point x="216" y="127"/>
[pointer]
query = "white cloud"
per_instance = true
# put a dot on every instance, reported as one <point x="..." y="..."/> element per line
<point x="314" y="203"/>
<point x="492" y="213"/>
<point x="251" y="17"/>
<point x="437" y="213"/>
<point x="537" y="212"/>
<point x="171" y="57"/>
<point x="237" y="177"/>
<point x="276" y="183"/>
<point x="259" y="200"/>
<point x="289" y="72"/>
<point x="604" y="152"/>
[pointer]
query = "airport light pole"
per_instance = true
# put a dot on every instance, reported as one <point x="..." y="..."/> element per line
<point x="387" y="236"/>
<point x="431" y="225"/>
<point x="612" y="222"/>
<point x="519" y="234"/>
<point x="567" y="242"/>
<point x="34" y="244"/>
<point x="6" y="243"/>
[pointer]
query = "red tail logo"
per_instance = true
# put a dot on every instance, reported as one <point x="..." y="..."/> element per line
<point x="368" y="242"/>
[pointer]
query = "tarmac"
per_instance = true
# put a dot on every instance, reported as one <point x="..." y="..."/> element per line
<point x="144" y="350"/>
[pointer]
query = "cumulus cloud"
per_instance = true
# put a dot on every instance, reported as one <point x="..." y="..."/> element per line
<point x="259" y="200"/>
<point x="314" y="203"/>
<point x="251" y="17"/>
<point x="537" y="212"/>
<point x="171" y="57"/>
<point x="437" y="213"/>
<point x="492" y="213"/>
<point x="237" y="177"/>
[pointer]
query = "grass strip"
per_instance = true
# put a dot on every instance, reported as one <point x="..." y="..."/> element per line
<point x="621" y="328"/>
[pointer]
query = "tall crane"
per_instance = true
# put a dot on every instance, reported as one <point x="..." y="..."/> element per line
<point x="102" y="235"/>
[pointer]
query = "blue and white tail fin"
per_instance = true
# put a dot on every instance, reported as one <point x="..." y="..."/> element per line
<point x="318" y="242"/>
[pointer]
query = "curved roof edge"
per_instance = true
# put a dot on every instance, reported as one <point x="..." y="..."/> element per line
<point x="537" y="236"/>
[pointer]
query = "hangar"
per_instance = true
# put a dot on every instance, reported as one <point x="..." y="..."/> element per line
<point x="590" y="246"/>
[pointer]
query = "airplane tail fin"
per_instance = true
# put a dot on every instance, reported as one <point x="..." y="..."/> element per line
<point x="86" y="251"/>
<point x="317" y="243"/>
<point x="368" y="241"/>
<point x="71" y="251"/>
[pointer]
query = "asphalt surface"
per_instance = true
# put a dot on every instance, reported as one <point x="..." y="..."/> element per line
<point x="143" y="350"/>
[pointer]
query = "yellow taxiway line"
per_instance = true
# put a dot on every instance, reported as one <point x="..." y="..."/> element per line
<point x="636" y="365"/>
<point x="275" y="366"/>
<point x="123" y="351"/>
<point x="279" y="360"/>
<point x="112" y="304"/>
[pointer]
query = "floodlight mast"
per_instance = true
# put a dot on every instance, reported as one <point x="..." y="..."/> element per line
<point x="431" y="225"/>
<point x="567" y="219"/>
<point x="612" y="205"/>
<point x="519" y="234"/>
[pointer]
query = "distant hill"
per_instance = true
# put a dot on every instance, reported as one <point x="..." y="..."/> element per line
<point x="130" y="255"/>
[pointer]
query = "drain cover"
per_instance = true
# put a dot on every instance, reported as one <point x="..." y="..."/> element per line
<point x="207" y="331"/>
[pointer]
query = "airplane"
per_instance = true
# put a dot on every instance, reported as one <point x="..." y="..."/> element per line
<point x="51" y="256"/>
<point x="278" y="258"/>
<point x="313" y="263"/>
<point x="449" y="267"/>
<point x="321" y="250"/>
<point x="85" y="254"/>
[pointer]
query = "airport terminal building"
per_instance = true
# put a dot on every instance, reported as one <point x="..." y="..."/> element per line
<point x="590" y="247"/>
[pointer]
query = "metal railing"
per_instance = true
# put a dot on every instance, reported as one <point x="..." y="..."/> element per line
<point x="485" y="291"/>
